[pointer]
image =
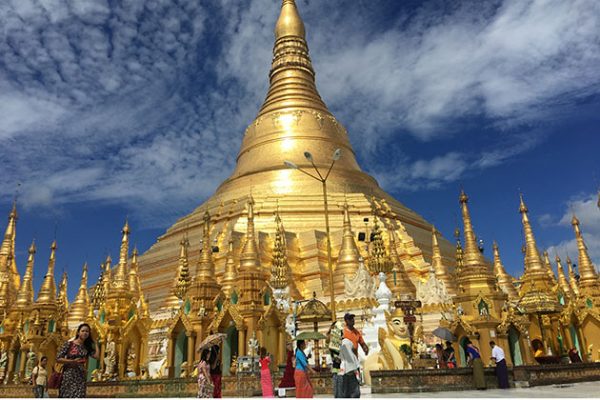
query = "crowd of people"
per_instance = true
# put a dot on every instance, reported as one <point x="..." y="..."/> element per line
<point x="344" y="342"/>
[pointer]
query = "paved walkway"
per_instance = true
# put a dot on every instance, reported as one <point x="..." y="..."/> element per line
<point x="579" y="390"/>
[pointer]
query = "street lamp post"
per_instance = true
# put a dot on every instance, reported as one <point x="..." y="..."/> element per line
<point x="323" y="179"/>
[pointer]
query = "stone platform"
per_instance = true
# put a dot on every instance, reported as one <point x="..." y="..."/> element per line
<point x="383" y="382"/>
<point x="458" y="379"/>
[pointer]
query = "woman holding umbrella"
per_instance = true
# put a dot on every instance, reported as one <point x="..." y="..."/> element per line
<point x="304" y="388"/>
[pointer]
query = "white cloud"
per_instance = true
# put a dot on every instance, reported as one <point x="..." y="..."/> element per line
<point x="586" y="210"/>
<point x="125" y="95"/>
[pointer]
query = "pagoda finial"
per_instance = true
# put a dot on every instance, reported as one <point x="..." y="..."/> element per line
<point x="120" y="280"/>
<point x="562" y="280"/>
<point x="280" y="270"/>
<point x="348" y="257"/>
<point x="25" y="295"/>
<point x="183" y="272"/>
<point x="572" y="278"/>
<point x="505" y="281"/>
<point x="289" y="22"/>
<point x="472" y="256"/>
<point x="230" y="275"/>
<point x="47" y="293"/>
<point x="81" y="305"/>
<point x="587" y="271"/>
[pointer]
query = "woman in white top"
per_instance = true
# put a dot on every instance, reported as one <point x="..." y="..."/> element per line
<point x="39" y="378"/>
<point x="349" y="369"/>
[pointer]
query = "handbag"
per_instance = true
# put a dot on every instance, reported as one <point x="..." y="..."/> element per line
<point x="55" y="380"/>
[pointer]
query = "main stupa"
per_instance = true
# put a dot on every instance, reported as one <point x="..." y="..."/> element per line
<point x="293" y="119"/>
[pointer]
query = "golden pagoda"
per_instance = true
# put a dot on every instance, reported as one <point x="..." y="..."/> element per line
<point x="479" y="303"/>
<point x="536" y="293"/>
<point x="118" y="318"/>
<point x="588" y="303"/>
<point x="293" y="119"/>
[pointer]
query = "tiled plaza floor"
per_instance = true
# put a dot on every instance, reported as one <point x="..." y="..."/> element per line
<point x="577" y="390"/>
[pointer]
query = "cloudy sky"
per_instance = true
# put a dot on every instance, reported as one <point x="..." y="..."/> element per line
<point x="115" y="109"/>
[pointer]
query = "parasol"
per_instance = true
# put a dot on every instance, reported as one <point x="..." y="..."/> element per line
<point x="211" y="340"/>
<point x="444" y="334"/>
<point x="310" y="335"/>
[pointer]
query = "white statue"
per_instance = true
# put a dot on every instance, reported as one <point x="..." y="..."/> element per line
<point x="110" y="359"/>
<point x="361" y="285"/>
<point x="31" y="362"/>
<point x="432" y="291"/>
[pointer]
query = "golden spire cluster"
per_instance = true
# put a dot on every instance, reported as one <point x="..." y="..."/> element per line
<point x="589" y="285"/>
<point x="562" y="281"/>
<point x="280" y="270"/>
<point x="398" y="281"/>
<point x="379" y="260"/>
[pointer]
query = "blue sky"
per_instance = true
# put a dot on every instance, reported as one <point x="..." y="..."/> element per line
<point x="110" y="111"/>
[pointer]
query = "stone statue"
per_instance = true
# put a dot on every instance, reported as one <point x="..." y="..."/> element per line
<point x="3" y="361"/>
<point x="110" y="359"/>
<point x="31" y="362"/>
<point x="361" y="285"/>
<point x="131" y="361"/>
<point x="391" y="341"/>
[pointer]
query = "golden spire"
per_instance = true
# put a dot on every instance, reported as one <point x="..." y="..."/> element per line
<point x="99" y="295"/>
<point x="587" y="271"/>
<point x="47" y="293"/>
<point x="562" y="281"/>
<point x="230" y="275"/>
<point x="25" y="295"/>
<point x="348" y="257"/>
<point x="63" y="298"/>
<point x="533" y="261"/>
<point x="8" y="266"/>
<point x="183" y="272"/>
<point x="505" y="281"/>
<point x="80" y="306"/>
<point x="134" y="278"/>
<point x="249" y="260"/>
<point x="121" y="280"/>
<point x="572" y="278"/>
<point x="251" y="279"/>
<point x="205" y="271"/>
<point x="459" y="253"/>
<point x="472" y="257"/>
<point x="398" y="281"/>
<point x="280" y="270"/>
<point x="379" y="260"/>
<point x="441" y="272"/>
<point x="548" y="267"/>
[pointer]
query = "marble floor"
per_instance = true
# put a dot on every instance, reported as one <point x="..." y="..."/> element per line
<point x="571" y="390"/>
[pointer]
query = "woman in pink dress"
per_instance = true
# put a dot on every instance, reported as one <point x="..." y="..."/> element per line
<point x="265" y="373"/>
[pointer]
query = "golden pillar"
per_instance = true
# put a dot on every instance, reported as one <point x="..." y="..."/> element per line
<point x="190" y="352"/>
<point x="241" y="342"/>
